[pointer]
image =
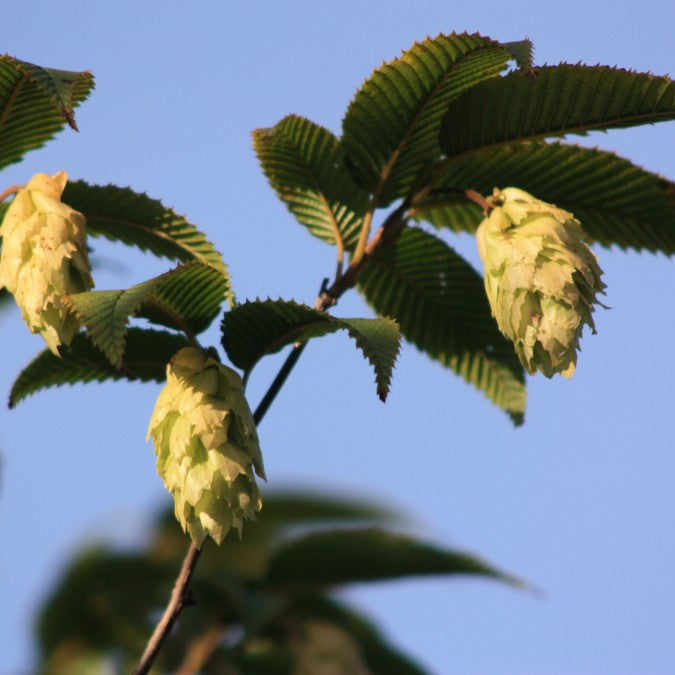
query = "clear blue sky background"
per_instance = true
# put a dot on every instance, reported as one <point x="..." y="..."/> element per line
<point x="580" y="501"/>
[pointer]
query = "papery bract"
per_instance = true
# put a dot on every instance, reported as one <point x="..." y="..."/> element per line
<point x="44" y="257"/>
<point x="541" y="279"/>
<point x="207" y="446"/>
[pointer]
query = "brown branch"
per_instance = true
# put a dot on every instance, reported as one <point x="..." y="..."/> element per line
<point x="180" y="596"/>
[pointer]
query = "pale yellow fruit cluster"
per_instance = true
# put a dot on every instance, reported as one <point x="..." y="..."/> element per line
<point x="207" y="446"/>
<point x="44" y="257"/>
<point x="541" y="279"/>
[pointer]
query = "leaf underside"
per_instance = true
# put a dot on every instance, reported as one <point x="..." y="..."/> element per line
<point x="120" y="214"/>
<point x="145" y="358"/>
<point x="553" y="101"/>
<point x="440" y="304"/>
<point x="254" y="329"/>
<point x="186" y="298"/>
<point x="617" y="202"/>
<point x="305" y="165"/>
<point x="36" y="103"/>
<point x="390" y="130"/>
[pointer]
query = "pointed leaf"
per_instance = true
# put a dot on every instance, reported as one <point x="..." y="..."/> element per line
<point x="254" y="329"/>
<point x="390" y="130"/>
<point x="616" y="201"/>
<point x="304" y="163"/>
<point x="440" y="303"/>
<point x="187" y="298"/>
<point x="146" y="355"/>
<point x="137" y="220"/>
<point x="36" y="103"/>
<point x="335" y="557"/>
<point x="553" y="101"/>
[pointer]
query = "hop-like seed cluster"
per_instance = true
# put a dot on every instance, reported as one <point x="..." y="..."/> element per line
<point x="206" y="446"/>
<point x="541" y="279"/>
<point x="44" y="257"/>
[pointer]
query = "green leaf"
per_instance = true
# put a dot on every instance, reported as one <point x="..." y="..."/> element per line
<point x="390" y="130"/>
<point x="324" y="559"/>
<point x="145" y="358"/>
<point x="36" y="103"/>
<point x="93" y="614"/>
<point x="254" y="329"/>
<point x="553" y="101"/>
<point x="379" y="655"/>
<point x="616" y="201"/>
<point x="187" y="298"/>
<point x="120" y="214"/>
<point x="440" y="303"/>
<point x="304" y="163"/>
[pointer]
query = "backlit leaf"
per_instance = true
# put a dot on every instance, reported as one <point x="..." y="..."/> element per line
<point x="254" y="329"/>
<point x="439" y="301"/>
<point x="36" y="103"/>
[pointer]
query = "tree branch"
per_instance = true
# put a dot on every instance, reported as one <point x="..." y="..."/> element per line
<point x="180" y="596"/>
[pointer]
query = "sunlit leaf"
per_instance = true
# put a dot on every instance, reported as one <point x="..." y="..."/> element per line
<point x="304" y="163"/>
<point x="187" y="298"/>
<point x="36" y="103"/>
<point x="390" y="130"/>
<point x="324" y="559"/>
<point x="553" y="101"/>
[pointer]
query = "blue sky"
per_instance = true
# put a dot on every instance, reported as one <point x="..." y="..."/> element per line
<point x="580" y="501"/>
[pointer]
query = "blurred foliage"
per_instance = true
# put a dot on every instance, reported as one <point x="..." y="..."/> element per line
<point x="264" y="605"/>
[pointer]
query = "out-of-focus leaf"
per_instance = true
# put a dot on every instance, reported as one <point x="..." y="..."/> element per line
<point x="325" y="559"/>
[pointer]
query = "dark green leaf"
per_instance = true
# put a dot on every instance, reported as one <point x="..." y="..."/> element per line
<point x="36" y="103"/>
<point x="390" y="130"/>
<point x="324" y="559"/>
<point x="440" y="303"/>
<point x="380" y="656"/>
<point x="254" y="329"/>
<point x="103" y="601"/>
<point x="304" y="163"/>
<point x="553" y="101"/>
<point x="187" y="298"/>
<point x="145" y="358"/>
<point x="616" y="201"/>
<point x="136" y="220"/>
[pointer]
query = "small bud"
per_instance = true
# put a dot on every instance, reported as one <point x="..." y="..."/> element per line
<point x="207" y="446"/>
<point x="541" y="279"/>
<point x="44" y="257"/>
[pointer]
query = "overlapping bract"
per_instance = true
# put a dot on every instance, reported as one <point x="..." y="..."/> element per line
<point x="207" y="446"/>
<point x="44" y="257"/>
<point x="541" y="279"/>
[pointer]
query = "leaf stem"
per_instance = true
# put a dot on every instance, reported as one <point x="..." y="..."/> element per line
<point x="12" y="190"/>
